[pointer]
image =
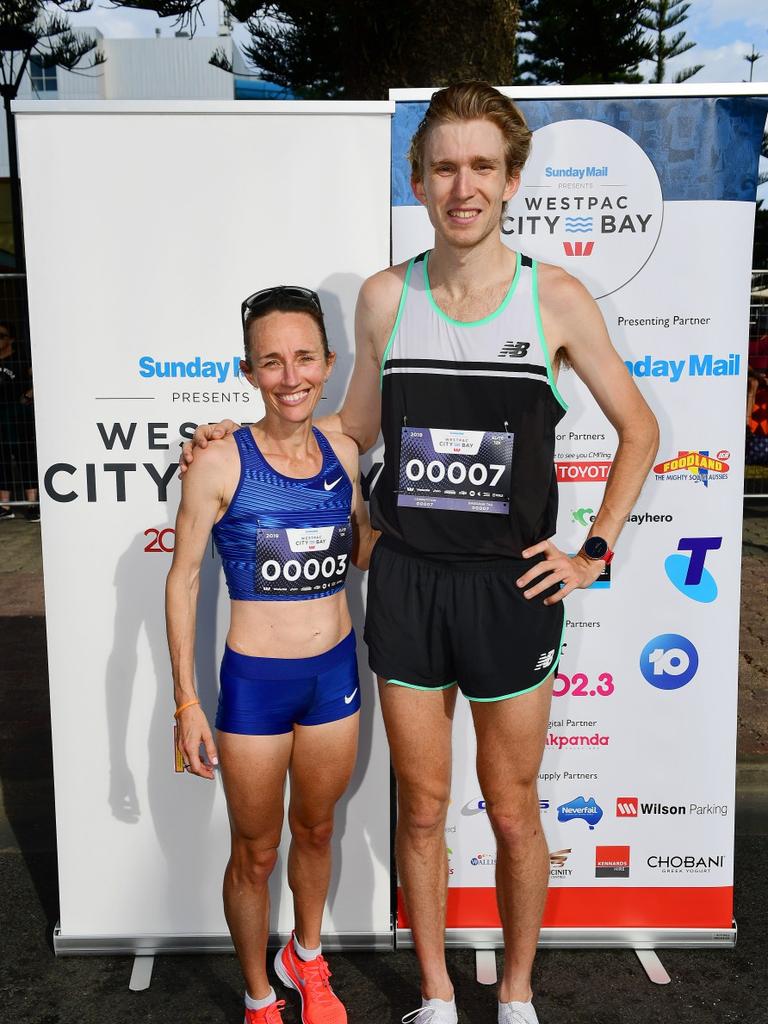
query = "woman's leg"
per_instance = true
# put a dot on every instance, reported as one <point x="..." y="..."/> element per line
<point x="321" y="766"/>
<point x="253" y="770"/>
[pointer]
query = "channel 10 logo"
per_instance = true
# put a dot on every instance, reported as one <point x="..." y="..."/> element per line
<point x="669" y="661"/>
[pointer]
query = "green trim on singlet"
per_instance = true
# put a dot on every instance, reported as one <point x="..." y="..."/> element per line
<point x="542" y="339"/>
<point x="472" y="323"/>
<point x="398" y="318"/>
<point x="519" y="693"/>
<point x="413" y="686"/>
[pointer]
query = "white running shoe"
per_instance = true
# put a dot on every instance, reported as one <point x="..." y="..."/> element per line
<point x="433" y="1011"/>
<point x="517" y="1013"/>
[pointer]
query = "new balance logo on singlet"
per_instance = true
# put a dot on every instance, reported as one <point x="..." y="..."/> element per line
<point x="545" y="660"/>
<point x="515" y="349"/>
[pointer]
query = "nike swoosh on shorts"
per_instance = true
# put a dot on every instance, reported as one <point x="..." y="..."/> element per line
<point x="351" y="697"/>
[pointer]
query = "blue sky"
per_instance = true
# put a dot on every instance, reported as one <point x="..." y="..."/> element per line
<point x="723" y="30"/>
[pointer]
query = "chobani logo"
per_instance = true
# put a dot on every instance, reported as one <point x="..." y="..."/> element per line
<point x="590" y="201"/>
<point x="698" y="466"/>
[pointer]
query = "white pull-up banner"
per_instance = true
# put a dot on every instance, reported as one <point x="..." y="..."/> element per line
<point x="171" y="214"/>
<point x="649" y="202"/>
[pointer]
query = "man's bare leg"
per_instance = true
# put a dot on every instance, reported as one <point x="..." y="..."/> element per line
<point x="418" y="726"/>
<point x="510" y="743"/>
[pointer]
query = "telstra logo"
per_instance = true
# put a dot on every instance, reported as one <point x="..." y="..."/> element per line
<point x="688" y="573"/>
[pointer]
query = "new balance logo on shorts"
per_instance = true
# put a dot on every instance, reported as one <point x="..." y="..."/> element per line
<point x="545" y="660"/>
<point x="515" y="349"/>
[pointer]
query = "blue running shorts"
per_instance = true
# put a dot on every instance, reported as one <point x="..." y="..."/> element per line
<point x="268" y="696"/>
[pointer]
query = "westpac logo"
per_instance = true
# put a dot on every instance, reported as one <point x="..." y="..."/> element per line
<point x="696" y="466"/>
<point x="669" y="661"/>
<point x="601" y="206"/>
<point x="688" y="573"/>
<point x="696" y="365"/>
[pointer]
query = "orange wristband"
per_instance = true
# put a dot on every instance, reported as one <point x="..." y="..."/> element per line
<point x="189" y="704"/>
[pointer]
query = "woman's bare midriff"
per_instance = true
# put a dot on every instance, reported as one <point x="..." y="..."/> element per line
<point x="288" y="629"/>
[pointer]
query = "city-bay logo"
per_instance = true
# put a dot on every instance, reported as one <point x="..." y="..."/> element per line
<point x="590" y="200"/>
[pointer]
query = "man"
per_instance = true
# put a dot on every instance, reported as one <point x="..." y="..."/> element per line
<point x="454" y="362"/>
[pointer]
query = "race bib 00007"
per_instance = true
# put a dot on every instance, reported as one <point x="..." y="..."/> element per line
<point x="458" y="470"/>
<point x="311" y="560"/>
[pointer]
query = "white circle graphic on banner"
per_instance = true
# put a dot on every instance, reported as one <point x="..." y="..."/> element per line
<point x="589" y="201"/>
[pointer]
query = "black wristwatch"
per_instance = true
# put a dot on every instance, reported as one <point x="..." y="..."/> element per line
<point x="596" y="548"/>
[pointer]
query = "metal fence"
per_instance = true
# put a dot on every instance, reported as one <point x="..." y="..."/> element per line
<point x="756" y="466"/>
<point x="18" y="456"/>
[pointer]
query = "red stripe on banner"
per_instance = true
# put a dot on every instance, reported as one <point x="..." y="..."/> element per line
<point x="709" y="907"/>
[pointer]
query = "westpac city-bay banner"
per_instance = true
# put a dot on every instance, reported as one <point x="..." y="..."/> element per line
<point x="649" y="202"/>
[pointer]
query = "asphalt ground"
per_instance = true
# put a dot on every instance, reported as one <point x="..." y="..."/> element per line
<point x="575" y="986"/>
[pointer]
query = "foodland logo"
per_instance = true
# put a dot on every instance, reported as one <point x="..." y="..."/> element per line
<point x="604" y="214"/>
<point x="688" y="573"/>
<point x="701" y="365"/>
<point x="196" y="368"/>
<point x="585" y="810"/>
<point x="696" y="466"/>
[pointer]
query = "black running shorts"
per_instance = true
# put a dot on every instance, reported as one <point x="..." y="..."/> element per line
<point x="432" y="624"/>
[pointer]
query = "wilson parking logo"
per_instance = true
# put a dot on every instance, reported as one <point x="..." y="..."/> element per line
<point x="589" y="199"/>
<point x="626" y="806"/>
<point x="688" y="573"/>
<point x="669" y="661"/>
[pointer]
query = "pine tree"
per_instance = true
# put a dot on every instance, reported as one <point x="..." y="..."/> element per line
<point x="659" y="18"/>
<point x="360" y="49"/>
<point x="574" y="42"/>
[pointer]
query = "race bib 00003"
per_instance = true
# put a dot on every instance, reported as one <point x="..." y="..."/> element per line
<point x="457" y="470"/>
<point x="302" y="561"/>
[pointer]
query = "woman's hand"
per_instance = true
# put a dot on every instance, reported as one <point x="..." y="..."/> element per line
<point x="571" y="572"/>
<point x="203" y="434"/>
<point x="193" y="732"/>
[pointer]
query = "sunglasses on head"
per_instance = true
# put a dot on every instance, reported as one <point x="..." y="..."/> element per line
<point x="265" y="296"/>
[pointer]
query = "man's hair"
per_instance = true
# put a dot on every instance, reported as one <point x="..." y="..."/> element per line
<point x="474" y="101"/>
<point x="280" y="302"/>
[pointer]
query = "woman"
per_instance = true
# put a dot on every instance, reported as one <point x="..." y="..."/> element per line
<point x="286" y="518"/>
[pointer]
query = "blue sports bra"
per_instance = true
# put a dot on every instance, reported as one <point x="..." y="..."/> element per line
<point x="283" y="539"/>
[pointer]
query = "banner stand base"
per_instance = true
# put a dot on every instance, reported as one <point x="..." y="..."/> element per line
<point x="653" y="967"/>
<point x="144" y="947"/>
<point x="485" y="967"/>
<point x="589" y="938"/>
<point x="141" y="975"/>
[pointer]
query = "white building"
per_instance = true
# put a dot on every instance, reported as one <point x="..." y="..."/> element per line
<point x="160" y="68"/>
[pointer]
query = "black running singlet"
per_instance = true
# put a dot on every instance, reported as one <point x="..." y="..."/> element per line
<point x="469" y="412"/>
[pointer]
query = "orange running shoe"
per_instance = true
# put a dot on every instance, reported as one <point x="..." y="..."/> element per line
<point x="319" y="1003"/>
<point x="269" y="1015"/>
